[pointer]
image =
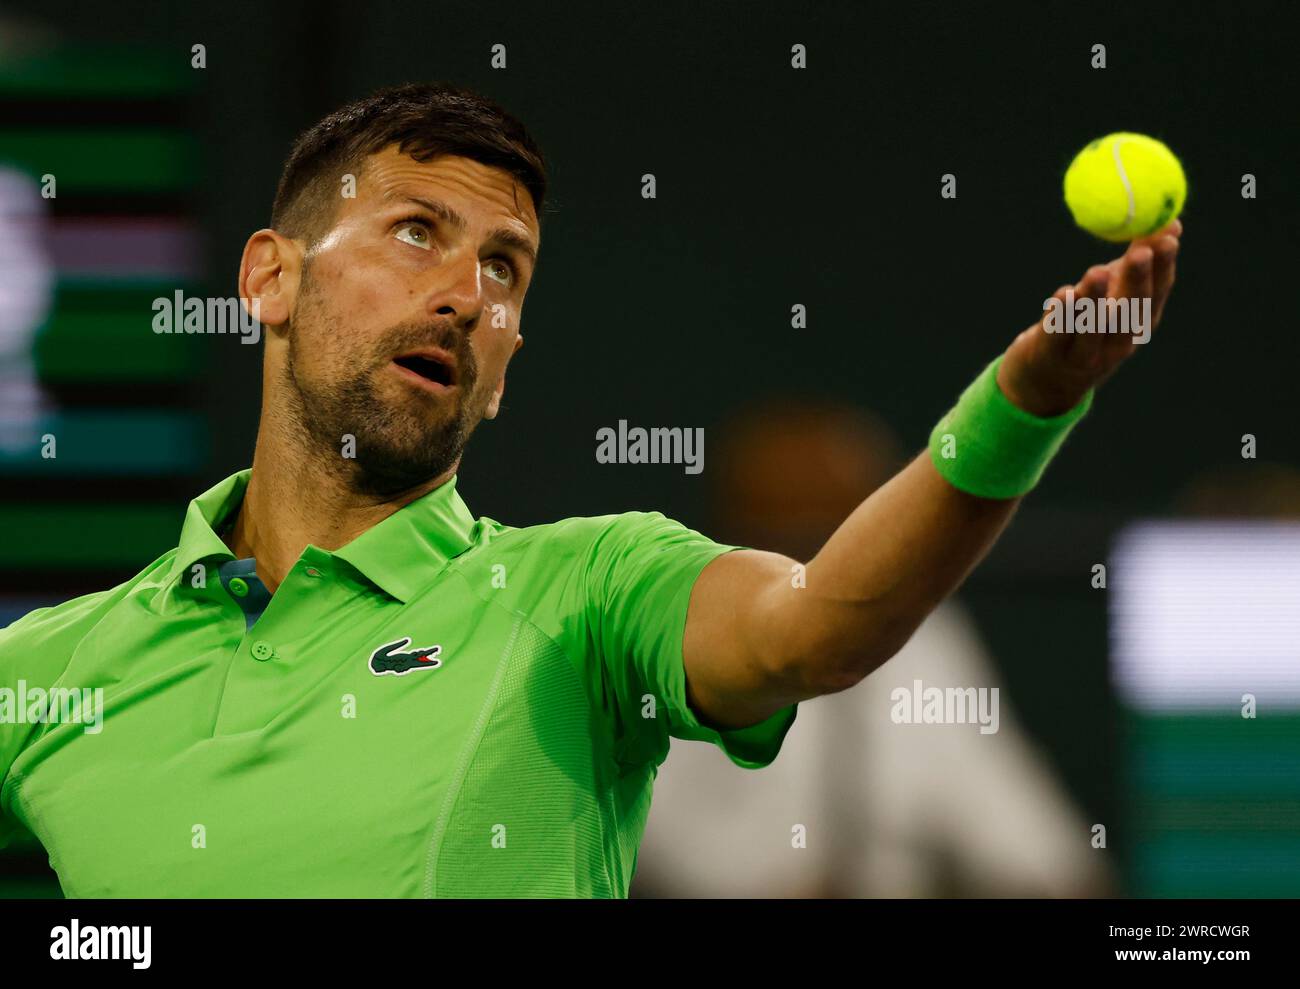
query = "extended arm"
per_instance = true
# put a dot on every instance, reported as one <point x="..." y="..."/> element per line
<point x="760" y="636"/>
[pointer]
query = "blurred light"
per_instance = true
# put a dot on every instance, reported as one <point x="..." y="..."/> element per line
<point x="26" y="290"/>
<point x="1204" y="612"/>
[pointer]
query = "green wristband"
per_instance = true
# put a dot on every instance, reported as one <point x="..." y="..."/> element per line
<point x="989" y="447"/>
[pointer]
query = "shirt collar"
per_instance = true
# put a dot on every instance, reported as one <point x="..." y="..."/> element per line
<point x="210" y="509"/>
<point x="399" y="554"/>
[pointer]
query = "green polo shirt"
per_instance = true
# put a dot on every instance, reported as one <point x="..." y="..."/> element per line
<point x="443" y="707"/>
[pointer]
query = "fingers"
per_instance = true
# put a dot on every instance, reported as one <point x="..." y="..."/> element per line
<point x="1095" y="282"/>
<point x="1093" y="286"/>
<point x="1136" y="273"/>
<point x="1173" y="228"/>
<point x="1163" y="246"/>
<point x="1163" y="279"/>
<point x="1062" y="297"/>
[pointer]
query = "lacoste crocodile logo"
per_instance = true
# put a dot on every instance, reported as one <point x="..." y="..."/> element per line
<point x="392" y="658"/>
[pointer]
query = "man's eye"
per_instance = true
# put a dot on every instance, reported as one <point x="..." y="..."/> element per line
<point x="504" y="273"/>
<point x="415" y="234"/>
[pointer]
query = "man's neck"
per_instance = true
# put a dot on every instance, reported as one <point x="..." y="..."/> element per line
<point x="294" y="500"/>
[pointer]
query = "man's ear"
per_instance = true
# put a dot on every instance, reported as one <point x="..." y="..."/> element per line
<point x="494" y="403"/>
<point x="268" y="276"/>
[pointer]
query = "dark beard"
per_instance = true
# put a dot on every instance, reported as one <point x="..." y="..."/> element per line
<point x="395" y="450"/>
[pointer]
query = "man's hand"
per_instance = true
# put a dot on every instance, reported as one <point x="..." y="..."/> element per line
<point x="1047" y="374"/>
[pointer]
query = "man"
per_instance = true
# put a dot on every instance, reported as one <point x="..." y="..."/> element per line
<point x="341" y="683"/>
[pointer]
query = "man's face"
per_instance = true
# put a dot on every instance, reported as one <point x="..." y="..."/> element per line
<point x="408" y="312"/>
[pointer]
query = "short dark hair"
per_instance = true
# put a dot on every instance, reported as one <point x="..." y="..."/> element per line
<point x="425" y="121"/>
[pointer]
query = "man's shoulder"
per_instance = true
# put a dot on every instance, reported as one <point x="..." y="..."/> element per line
<point x="568" y="555"/>
<point x="579" y="533"/>
<point x="70" y="619"/>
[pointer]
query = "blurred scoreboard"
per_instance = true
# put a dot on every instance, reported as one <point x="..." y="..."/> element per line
<point x="97" y="173"/>
<point x="1205" y="637"/>
<point x="102" y="440"/>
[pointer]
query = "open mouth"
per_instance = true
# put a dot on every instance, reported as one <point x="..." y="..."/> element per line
<point x="429" y="368"/>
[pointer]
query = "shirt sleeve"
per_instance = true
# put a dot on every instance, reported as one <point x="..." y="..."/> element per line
<point x="35" y="649"/>
<point x="639" y="576"/>
<point x="14" y="733"/>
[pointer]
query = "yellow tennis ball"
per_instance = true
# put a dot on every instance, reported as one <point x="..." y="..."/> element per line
<point x="1123" y="186"/>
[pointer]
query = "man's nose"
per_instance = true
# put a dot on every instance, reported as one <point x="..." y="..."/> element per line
<point x="457" y="290"/>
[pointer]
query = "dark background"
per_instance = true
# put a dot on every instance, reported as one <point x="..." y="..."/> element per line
<point x="819" y="187"/>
